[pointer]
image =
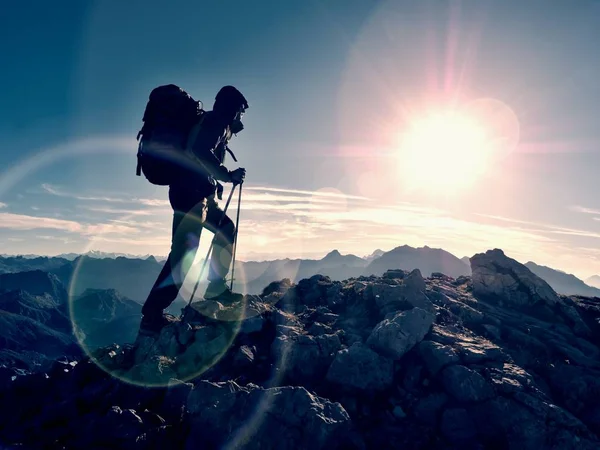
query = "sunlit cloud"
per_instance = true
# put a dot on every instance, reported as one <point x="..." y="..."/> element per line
<point x="300" y="191"/>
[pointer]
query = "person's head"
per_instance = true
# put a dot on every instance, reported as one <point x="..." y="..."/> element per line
<point x="230" y="104"/>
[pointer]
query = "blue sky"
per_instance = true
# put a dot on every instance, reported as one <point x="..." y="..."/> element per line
<point x="331" y="84"/>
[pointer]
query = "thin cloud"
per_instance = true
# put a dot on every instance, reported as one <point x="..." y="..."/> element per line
<point x="23" y="222"/>
<point x="584" y="210"/>
<point x="124" y="212"/>
<point x="546" y="228"/>
<point x="267" y="197"/>
<point x="53" y="190"/>
<point x="300" y="191"/>
<point x="506" y="219"/>
<point x="580" y="233"/>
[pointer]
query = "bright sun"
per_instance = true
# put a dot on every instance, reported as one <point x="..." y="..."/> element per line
<point x="444" y="151"/>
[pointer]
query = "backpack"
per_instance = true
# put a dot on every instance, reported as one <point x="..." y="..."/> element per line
<point x="170" y="115"/>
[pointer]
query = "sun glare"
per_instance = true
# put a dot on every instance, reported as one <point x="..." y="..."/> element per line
<point x="444" y="151"/>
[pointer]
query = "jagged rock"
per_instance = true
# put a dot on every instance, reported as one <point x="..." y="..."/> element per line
<point x="244" y="357"/>
<point x="306" y="358"/>
<point x="396" y="336"/>
<point x="313" y="291"/>
<point x="287" y="331"/>
<point x="457" y="426"/>
<point x="466" y="385"/>
<point x="253" y="325"/>
<point x="175" y="398"/>
<point x="409" y="294"/>
<point x="511" y="379"/>
<point x="497" y="276"/>
<point x="359" y="368"/>
<point x="325" y="316"/>
<point x="289" y="418"/>
<point x="441" y="276"/>
<point x="318" y="329"/>
<point x="428" y="408"/>
<point x="280" y="287"/>
<point x="511" y="424"/>
<point x="437" y="356"/>
<point x="469" y="315"/>
<point x="492" y="331"/>
<point x="574" y="319"/>
<point x="124" y="424"/>
<point x="477" y="350"/>
<point x="393" y="274"/>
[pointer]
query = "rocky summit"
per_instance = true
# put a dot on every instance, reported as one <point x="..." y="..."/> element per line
<point x="495" y="360"/>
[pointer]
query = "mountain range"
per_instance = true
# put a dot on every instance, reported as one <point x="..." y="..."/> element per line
<point x="36" y="324"/>
<point x="133" y="277"/>
<point x="562" y="282"/>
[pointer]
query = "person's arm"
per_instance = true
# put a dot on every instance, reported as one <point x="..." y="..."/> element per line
<point x="203" y="149"/>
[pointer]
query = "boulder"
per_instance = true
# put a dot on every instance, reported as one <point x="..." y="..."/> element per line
<point x="457" y="426"/>
<point x="304" y="358"/>
<point x="466" y="385"/>
<point x="395" y="336"/>
<point x="437" y="356"/>
<point x="496" y="276"/>
<point x="280" y="418"/>
<point x="408" y="294"/>
<point x="360" y="369"/>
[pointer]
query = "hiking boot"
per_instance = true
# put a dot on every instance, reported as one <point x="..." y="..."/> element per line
<point x="153" y="323"/>
<point x="218" y="290"/>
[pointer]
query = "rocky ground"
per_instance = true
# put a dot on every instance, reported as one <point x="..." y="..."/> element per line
<point x="497" y="360"/>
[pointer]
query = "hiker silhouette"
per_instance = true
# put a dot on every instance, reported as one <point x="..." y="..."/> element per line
<point x="193" y="193"/>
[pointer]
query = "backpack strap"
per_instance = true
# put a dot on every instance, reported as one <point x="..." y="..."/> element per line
<point x="138" y="169"/>
<point x="231" y="153"/>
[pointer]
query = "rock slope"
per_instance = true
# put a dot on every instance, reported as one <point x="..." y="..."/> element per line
<point x="497" y="360"/>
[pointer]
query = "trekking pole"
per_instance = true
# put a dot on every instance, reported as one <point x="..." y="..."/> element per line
<point x="237" y="222"/>
<point x="212" y="243"/>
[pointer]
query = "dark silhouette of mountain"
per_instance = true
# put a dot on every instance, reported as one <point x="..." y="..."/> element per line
<point x="20" y="333"/>
<point x="427" y="260"/>
<point x="593" y="281"/>
<point x="36" y="325"/>
<point x="11" y="264"/>
<point x="133" y="278"/>
<point x="46" y="309"/>
<point x="334" y="265"/>
<point x="103" y="316"/>
<point x="34" y="319"/>
<point x="35" y="282"/>
<point x="563" y="283"/>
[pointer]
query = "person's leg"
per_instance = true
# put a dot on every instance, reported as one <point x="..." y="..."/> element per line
<point x="224" y="235"/>
<point x="187" y="227"/>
